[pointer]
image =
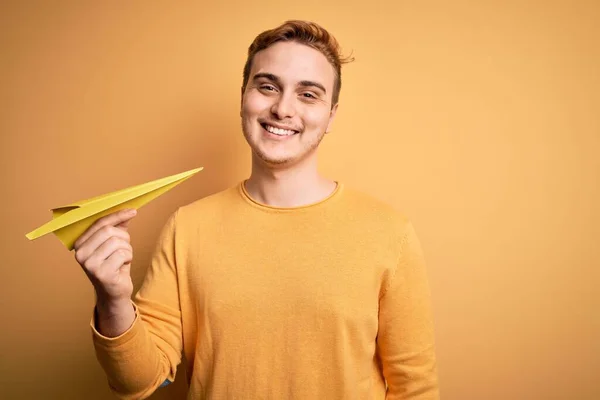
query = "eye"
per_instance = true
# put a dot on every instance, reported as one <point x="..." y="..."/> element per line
<point x="268" y="88"/>
<point x="308" y="95"/>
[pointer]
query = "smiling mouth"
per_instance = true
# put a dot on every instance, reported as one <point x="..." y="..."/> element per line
<point x="277" y="131"/>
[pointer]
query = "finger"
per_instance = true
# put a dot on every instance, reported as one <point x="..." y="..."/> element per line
<point x="113" y="268"/>
<point x="98" y="265"/>
<point x="87" y="248"/>
<point x="118" y="259"/>
<point x="107" y="248"/>
<point x="113" y="219"/>
<point x="99" y="238"/>
<point x="124" y="225"/>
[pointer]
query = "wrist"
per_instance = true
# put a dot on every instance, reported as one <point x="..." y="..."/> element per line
<point x="110" y="308"/>
<point x="114" y="317"/>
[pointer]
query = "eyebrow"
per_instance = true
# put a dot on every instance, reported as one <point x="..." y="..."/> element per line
<point x="277" y="80"/>
<point x="313" y="84"/>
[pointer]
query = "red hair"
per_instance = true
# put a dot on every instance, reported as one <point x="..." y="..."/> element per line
<point x="306" y="33"/>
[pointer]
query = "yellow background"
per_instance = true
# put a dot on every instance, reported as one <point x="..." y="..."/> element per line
<point x="479" y="120"/>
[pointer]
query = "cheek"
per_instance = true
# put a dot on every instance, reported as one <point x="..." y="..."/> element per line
<point x="316" y="119"/>
<point x="254" y="103"/>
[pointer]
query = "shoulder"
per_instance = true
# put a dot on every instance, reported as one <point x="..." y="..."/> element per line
<point x="377" y="222"/>
<point x="368" y="206"/>
<point x="205" y="209"/>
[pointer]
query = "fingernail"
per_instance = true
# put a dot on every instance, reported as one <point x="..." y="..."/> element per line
<point x="132" y="211"/>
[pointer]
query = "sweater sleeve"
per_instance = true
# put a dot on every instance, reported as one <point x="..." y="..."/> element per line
<point x="147" y="354"/>
<point x="405" y="341"/>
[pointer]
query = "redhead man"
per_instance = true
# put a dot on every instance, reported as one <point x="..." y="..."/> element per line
<point x="287" y="286"/>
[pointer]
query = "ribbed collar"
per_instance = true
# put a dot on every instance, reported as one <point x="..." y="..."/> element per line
<point x="337" y="192"/>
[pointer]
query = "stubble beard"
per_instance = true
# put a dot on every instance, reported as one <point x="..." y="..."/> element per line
<point x="307" y="149"/>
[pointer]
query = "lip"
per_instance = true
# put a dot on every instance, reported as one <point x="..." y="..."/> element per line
<point x="274" y="125"/>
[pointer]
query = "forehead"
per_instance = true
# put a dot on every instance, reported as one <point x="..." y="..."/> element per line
<point x="294" y="62"/>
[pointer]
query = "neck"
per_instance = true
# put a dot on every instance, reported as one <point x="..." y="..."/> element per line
<point x="292" y="186"/>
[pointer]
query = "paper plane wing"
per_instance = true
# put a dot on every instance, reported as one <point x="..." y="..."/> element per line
<point x="70" y="221"/>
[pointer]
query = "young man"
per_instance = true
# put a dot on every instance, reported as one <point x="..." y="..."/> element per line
<point x="287" y="286"/>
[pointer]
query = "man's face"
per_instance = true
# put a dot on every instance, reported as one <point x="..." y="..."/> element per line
<point x="286" y="105"/>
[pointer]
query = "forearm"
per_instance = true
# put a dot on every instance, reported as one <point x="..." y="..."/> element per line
<point x="406" y="340"/>
<point x="139" y="343"/>
<point x="134" y="363"/>
<point x="413" y="376"/>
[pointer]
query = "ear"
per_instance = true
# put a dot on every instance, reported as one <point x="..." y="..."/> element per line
<point x="331" y="117"/>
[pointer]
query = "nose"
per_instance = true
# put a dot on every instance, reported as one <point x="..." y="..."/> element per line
<point x="284" y="106"/>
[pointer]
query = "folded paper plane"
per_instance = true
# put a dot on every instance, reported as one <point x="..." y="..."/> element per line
<point x="71" y="221"/>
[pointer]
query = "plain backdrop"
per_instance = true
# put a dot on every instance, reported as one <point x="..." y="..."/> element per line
<point x="477" y="119"/>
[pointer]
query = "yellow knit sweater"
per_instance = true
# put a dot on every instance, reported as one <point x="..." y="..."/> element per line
<point x="322" y="302"/>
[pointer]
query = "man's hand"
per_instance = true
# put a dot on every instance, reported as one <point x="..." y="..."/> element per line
<point x="105" y="254"/>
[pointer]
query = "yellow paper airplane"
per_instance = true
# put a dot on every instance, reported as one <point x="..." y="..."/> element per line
<point x="71" y="221"/>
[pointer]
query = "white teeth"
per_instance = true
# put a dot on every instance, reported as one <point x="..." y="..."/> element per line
<point x="280" y="132"/>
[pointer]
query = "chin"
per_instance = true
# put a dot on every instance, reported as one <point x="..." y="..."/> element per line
<point x="275" y="160"/>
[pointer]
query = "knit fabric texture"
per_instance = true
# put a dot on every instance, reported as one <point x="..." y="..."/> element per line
<point x="324" y="301"/>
